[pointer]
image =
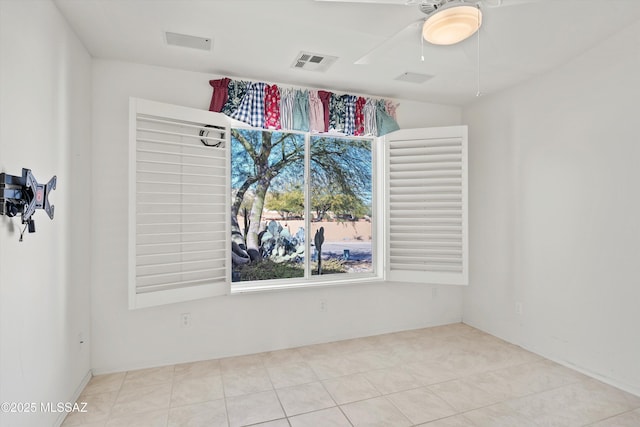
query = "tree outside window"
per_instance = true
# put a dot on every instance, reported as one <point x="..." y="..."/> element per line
<point x="268" y="210"/>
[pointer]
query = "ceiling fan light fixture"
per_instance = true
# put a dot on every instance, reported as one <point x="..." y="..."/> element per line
<point x="452" y="24"/>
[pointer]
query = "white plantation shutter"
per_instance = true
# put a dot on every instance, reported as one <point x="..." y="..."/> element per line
<point x="178" y="204"/>
<point x="426" y="205"/>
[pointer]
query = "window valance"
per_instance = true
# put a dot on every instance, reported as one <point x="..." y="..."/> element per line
<point x="270" y="107"/>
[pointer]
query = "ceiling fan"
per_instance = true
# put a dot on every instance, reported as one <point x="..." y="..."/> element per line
<point x="447" y="22"/>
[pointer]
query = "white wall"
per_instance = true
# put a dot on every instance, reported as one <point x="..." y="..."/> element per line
<point x="555" y="212"/>
<point x="45" y="119"/>
<point x="231" y="325"/>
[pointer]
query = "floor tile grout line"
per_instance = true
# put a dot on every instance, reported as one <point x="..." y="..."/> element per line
<point x="537" y="392"/>
<point x="337" y="406"/>
<point x="116" y="399"/>
<point x="434" y="394"/>
<point x="328" y="393"/>
<point x="281" y="405"/>
<point x="275" y="391"/>
<point x="109" y="413"/>
<point x="518" y="397"/>
<point x="226" y="406"/>
<point x="345" y="415"/>
<point x="173" y="379"/>
<point x="611" y="417"/>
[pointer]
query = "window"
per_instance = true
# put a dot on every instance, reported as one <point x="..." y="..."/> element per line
<point x="267" y="186"/>
<point x="341" y="190"/>
<point x="315" y="209"/>
<point x="287" y="227"/>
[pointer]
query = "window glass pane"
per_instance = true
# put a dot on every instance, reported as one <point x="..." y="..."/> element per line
<point x="267" y="204"/>
<point x="341" y="205"/>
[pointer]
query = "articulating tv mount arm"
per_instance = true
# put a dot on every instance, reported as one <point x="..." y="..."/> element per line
<point x="23" y="195"/>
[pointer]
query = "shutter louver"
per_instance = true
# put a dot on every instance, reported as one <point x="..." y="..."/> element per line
<point x="179" y="204"/>
<point x="427" y="215"/>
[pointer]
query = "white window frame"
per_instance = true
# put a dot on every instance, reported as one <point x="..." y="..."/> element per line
<point x="377" y="207"/>
<point x="382" y="208"/>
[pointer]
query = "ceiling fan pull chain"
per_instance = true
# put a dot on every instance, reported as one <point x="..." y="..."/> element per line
<point x="478" y="93"/>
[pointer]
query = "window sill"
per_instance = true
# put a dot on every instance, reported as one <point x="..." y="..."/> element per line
<point x="280" y="285"/>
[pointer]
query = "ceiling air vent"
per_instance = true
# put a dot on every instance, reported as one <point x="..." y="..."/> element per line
<point x="313" y="61"/>
<point x="413" y="77"/>
<point x="184" y="40"/>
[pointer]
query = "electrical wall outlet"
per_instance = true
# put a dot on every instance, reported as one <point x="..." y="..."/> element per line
<point x="518" y="308"/>
<point x="323" y="305"/>
<point x="185" y="320"/>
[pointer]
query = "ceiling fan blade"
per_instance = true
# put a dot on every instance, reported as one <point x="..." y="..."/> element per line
<point x="399" y="2"/>
<point x="503" y="3"/>
<point x="414" y="26"/>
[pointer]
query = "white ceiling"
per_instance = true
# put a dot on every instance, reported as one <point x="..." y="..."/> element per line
<point x="258" y="40"/>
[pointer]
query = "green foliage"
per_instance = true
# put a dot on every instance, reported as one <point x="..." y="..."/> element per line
<point x="267" y="269"/>
<point x="331" y="199"/>
<point x="340" y="176"/>
<point x="342" y="164"/>
<point x="290" y="202"/>
<point x="321" y="201"/>
<point x="329" y="266"/>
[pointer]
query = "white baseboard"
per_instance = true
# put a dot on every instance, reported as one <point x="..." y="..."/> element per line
<point x="629" y="388"/>
<point x="76" y="395"/>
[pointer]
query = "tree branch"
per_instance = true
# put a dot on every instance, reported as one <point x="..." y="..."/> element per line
<point x="246" y="144"/>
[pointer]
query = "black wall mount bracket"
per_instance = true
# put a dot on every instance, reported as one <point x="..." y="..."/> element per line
<point x="23" y="195"/>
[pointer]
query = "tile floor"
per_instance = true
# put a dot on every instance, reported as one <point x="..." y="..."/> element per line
<point x="446" y="376"/>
